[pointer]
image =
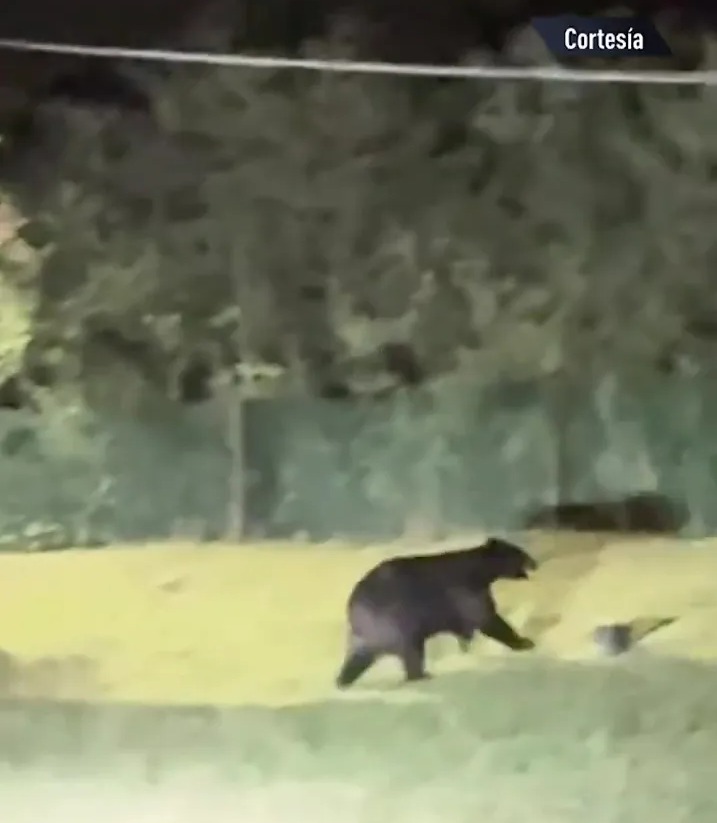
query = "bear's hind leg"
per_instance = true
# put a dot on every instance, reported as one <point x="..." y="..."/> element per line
<point x="465" y="639"/>
<point x="358" y="661"/>
<point x="413" y="657"/>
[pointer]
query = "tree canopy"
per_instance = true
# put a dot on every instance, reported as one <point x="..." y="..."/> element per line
<point x="354" y="234"/>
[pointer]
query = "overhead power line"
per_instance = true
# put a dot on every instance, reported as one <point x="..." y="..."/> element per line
<point x="536" y="73"/>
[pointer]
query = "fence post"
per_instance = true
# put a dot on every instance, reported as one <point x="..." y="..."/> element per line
<point x="561" y="404"/>
<point x="236" y="515"/>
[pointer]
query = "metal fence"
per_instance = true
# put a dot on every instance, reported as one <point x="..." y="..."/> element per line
<point x="464" y="458"/>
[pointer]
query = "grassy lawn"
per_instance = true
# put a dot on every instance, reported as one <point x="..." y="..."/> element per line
<point x="546" y="741"/>
<point x="557" y="735"/>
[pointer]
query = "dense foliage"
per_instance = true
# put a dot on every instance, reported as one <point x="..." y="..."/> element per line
<point x="355" y="233"/>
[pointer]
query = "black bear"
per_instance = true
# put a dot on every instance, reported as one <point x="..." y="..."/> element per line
<point x="402" y="602"/>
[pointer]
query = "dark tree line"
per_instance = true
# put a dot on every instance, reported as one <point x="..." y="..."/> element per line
<point x="442" y="31"/>
<point x="394" y="230"/>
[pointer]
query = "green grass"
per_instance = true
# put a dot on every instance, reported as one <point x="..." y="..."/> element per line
<point x="555" y="736"/>
<point x="547" y="742"/>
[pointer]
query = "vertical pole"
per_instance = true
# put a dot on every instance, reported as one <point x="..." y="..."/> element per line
<point x="236" y="514"/>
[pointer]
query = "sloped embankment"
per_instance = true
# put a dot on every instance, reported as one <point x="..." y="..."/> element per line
<point x="264" y="625"/>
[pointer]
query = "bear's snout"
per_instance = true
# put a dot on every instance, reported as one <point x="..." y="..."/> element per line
<point x="528" y="566"/>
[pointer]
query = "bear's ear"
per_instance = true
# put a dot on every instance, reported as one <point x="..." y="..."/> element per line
<point x="500" y="546"/>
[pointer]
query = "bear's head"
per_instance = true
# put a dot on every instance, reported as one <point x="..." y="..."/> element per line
<point x="506" y="560"/>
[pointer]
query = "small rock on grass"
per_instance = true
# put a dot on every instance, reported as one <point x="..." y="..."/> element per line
<point x="613" y="639"/>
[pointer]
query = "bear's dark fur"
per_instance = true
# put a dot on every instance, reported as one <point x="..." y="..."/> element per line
<point x="399" y="604"/>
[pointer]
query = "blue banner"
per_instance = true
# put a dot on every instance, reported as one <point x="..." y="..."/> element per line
<point x="570" y="35"/>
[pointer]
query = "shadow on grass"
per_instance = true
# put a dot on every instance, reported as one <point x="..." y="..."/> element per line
<point x="644" y="513"/>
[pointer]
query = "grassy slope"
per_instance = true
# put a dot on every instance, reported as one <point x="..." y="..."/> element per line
<point x="498" y="737"/>
<point x="241" y="625"/>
